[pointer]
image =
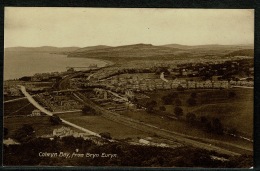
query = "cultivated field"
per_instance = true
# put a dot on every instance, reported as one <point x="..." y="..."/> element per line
<point x="40" y="124"/>
<point x="99" y="124"/>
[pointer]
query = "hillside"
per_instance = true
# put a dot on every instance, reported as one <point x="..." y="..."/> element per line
<point x="90" y="48"/>
<point x="49" y="49"/>
<point x="243" y="52"/>
<point x="149" y="51"/>
<point x="210" y="46"/>
<point x="136" y="50"/>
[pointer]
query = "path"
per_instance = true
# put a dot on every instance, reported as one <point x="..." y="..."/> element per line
<point x="42" y="109"/>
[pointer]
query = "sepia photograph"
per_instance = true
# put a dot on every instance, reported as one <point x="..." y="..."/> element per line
<point x="128" y="87"/>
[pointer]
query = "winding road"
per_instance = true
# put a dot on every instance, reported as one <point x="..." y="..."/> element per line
<point x="42" y="109"/>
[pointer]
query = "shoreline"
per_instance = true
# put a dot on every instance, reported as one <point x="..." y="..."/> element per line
<point x="100" y="63"/>
<point x="108" y="62"/>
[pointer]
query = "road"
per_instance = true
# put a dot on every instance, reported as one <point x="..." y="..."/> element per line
<point x="171" y="135"/>
<point x="162" y="77"/>
<point x="243" y="87"/>
<point x="14" y="100"/>
<point x="42" y="109"/>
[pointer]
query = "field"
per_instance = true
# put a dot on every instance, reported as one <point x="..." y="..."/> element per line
<point x="99" y="124"/>
<point x="236" y="112"/>
<point x="21" y="107"/>
<point x="40" y="124"/>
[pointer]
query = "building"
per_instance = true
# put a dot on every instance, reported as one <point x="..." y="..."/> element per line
<point x="35" y="112"/>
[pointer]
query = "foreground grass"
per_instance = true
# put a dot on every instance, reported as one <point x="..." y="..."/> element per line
<point x="99" y="124"/>
<point x="40" y="124"/>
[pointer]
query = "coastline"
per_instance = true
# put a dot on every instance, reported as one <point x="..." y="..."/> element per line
<point x="39" y="61"/>
<point x="108" y="62"/>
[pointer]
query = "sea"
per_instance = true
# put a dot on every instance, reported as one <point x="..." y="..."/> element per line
<point x="19" y="64"/>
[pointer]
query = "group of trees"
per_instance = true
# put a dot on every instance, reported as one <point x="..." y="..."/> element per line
<point x="150" y="106"/>
<point x="55" y="120"/>
<point x="24" y="134"/>
<point x="192" y="101"/>
<point x="86" y="110"/>
<point x="212" y="125"/>
<point x="170" y="98"/>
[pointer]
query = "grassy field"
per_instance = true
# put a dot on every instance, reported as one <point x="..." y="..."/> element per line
<point x="234" y="112"/>
<point x="40" y="124"/>
<point x="21" y="107"/>
<point x="99" y="124"/>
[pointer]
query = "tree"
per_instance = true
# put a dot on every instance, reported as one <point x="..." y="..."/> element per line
<point x="178" y="102"/>
<point x="231" y="94"/>
<point x="178" y="111"/>
<point x="5" y="132"/>
<point x="180" y="88"/>
<point x="193" y="95"/>
<point x="203" y="119"/>
<point x="173" y="95"/>
<point x="105" y="135"/>
<point x="153" y="103"/>
<point x="162" y="108"/>
<point x="55" y="120"/>
<point x="217" y="126"/>
<point x="150" y="106"/>
<point x="167" y="100"/>
<point x="24" y="134"/>
<point x="88" y="110"/>
<point x="191" y="102"/>
<point x="191" y="117"/>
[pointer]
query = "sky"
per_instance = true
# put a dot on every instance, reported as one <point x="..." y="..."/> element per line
<point x="81" y="27"/>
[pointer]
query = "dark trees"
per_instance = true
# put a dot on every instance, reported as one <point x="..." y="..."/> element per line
<point x="150" y="106"/>
<point x="168" y="99"/>
<point x="24" y="134"/>
<point x="217" y="126"/>
<point x="162" y="108"/>
<point x="231" y="94"/>
<point x="191" y="117"/>
<point x="88" y="110"/>
<point x="192" y="102"/>
<point x="5" y="132"/>
<point x="178" y="111"/>
<point x="55" y="120"/>
<point x="178" y="102"/>
<point x="105" y="135"/>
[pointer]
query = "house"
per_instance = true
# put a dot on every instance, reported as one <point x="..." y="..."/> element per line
<point x="143" y="141"/>
<point x="35" y="112"/>
<point x="63" y="131"/>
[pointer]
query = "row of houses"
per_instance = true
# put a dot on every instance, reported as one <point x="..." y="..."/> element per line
<point x="59" y="102"/>
<point x="66" y="131"/>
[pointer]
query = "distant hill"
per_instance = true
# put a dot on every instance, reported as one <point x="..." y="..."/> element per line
<point x="49" y="49"/>
<point x="210" y="46"/>
<point x="90" y="48"/>
<point x="243" y="52"/>
<point x="136" y="50"/>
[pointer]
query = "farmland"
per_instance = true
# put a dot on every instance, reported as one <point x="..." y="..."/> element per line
<point x="99" y="124"/>
<point x="40" y="124"/>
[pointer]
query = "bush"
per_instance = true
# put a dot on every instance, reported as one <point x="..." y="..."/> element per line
<point x="162" y="108"/>
<point x="105" y="135"/>
<point x="192" y="102"/>
<point x="24" y="134"/>
<point x="55" y="120"/>
<point x="178" y="111"/>
<point x="231" y="94"/>
<point x="178" y="102"/>
<point x="191" y="117"/>
<point x="88" y="110"/>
